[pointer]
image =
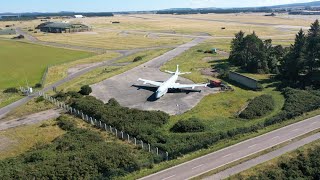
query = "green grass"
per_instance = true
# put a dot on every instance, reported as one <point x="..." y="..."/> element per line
<point x="60" y="71"/>
<point x="106" y="72"/>
<point x="23" y="63"/>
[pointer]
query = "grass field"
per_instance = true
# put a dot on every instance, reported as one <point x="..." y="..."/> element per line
<point x="103" y="73"/>
<point x="112" y="40"/>
<point x="60" y="71"/>
<point x="23" y="63"/>
<point x="227" y="103"/>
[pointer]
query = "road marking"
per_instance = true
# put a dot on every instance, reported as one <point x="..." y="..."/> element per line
<point x="275" y="137"/>
<point x="169" y="177"/>
<point x="252" y="146"/>
<point x="226" y="155"/>
<point x="197" y="166"/>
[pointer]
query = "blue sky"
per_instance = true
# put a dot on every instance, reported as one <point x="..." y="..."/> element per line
<point x="127" y="5"/>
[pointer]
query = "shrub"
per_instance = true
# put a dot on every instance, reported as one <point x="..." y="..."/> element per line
<point x="258" y="107"/>
<point x="11" y="90"/>
<point x="38" y="85"/>
<point x="138" y="58"/>
<point x="65" y="123"/>
<point x="40" y="99"/>
<point x="297" y="102"/>
<point x="190" y="125"/>
<point x="85" y="90"/>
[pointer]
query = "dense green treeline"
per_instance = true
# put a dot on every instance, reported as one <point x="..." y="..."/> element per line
<point x="79" y="154"/>
<point x="296" y="66"/>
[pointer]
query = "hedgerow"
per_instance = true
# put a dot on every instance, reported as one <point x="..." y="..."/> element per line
<point x="258" y="107"/>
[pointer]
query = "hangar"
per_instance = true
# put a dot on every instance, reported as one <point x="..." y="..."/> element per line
<point x="61" y="27"/>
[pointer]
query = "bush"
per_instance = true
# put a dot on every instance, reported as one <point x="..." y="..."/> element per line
<point x="258" y="107"/>
<point x="78" y="154"/>
<point x="38" y="85"/>
<point x="39" y="99"/>
<point x="297" y="102"/>
<point x="190" y="125"/>
<point x="11" y="90"/>
<point x="85" y="90"/>
<point x="66" y="123"/>
<point x="138" y="58"/>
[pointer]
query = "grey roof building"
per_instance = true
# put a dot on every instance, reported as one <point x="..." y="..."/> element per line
<point x="60" y="27"/>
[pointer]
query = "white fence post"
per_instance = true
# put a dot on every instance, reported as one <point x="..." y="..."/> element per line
<point x="167" y="156"/>
<point x="135" y="141"/>
<point x="142" y="144"/>
<point x="149" y="147"/>
<point x="128" y="138"/>
<point x="157" y="151"/>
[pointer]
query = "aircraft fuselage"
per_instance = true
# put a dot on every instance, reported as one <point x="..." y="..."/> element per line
<point x="163" y="89"/>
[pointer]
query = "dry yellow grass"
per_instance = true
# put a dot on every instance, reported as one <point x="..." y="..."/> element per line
<point x="21" y="139"/>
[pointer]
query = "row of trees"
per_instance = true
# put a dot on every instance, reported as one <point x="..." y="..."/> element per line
<point x="298" y="65"/>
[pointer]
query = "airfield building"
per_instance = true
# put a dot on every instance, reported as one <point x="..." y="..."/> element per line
<point x="61" y="27"/>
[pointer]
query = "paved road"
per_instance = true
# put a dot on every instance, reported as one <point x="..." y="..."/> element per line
<point x="31" y="119"/>
<point x="130" y="93"/>
<point x="236" y="152"/>
<point x="264" y="158"/>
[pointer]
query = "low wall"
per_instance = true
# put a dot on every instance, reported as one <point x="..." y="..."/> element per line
<point x="244" y="80"/>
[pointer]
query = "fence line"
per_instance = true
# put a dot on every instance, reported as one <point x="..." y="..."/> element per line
<point x="109" y="129"/>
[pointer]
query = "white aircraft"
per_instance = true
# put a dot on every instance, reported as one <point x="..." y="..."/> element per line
<point x="170" y="83"/>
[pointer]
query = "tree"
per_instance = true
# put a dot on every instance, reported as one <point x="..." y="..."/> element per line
<point x="294" y="61"/>
<point x="236" y="49"/>
<point x="313" y="49"/>
<point x="85" y="90"/>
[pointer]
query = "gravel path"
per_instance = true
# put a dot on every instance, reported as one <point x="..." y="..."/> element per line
<point x="30" y="119"/>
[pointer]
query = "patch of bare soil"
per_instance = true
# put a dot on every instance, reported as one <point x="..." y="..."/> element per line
<point x="209" y="72"/>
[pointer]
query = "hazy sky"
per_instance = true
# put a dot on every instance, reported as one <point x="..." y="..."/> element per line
<point x="127" y="5"/>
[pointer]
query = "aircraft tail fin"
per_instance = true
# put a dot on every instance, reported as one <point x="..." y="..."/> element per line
<point x="177" y="71"/>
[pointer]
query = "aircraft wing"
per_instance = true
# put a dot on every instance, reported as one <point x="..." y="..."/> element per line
<point x="154" y="83"/>
<point x="179" y="86"/>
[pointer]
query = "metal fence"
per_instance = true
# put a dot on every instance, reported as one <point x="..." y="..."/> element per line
<point x="99" y="124"/>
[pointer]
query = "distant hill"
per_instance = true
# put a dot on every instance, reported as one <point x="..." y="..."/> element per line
<point x="314" y="3"/>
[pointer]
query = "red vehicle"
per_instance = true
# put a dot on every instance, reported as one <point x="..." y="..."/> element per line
<point x="215" y="83"/>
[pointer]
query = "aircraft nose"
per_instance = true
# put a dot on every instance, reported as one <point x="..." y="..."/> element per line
<point x="158" y="95"/>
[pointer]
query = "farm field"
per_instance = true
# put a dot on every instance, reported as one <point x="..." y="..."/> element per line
<point x="23" y="63"/>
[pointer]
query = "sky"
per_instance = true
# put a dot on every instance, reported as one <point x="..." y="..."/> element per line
<point x="127" y="5"/>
